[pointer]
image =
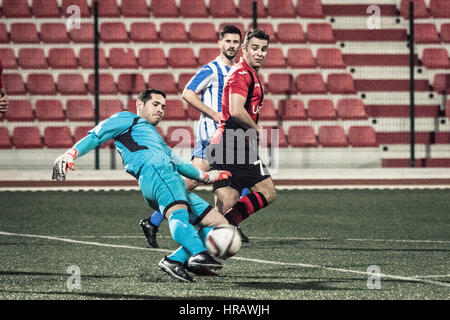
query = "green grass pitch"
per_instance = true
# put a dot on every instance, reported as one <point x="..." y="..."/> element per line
<point x="315" y="244"/>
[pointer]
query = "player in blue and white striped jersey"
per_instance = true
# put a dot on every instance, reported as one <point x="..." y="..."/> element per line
<point x="204" y="93"/>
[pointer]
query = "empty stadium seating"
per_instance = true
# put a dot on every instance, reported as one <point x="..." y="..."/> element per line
<point x="27" y="138"/>
<point x="58" y="137"/>
<point x="313" y="61"/>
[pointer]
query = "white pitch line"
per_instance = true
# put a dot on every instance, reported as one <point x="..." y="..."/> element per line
<point x="382" y="275"/>
<point x="273" y="238"/>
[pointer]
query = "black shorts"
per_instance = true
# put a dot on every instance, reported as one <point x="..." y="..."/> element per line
<point x="240" y="157"/>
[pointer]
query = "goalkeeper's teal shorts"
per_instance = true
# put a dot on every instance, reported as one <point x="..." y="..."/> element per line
<point x="163" y="187"/>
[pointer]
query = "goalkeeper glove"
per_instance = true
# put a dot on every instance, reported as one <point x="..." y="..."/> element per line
<point x="213" y="176"/>
<point x="62" y="162"/>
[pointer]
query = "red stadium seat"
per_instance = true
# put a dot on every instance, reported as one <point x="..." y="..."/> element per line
<point x="113" y="32"/>
<point x="328" y="58"/>
<point x="24" y="33"/>
<point x="202" y="32"/>
<point x="81" y="132"/>
<point x="106" y="81"/>
<point x="420" y="9"/>
<point x="16" y="9"/>
<point x="300" y="58"/>
<point x="268" y="111"/>
<point x="49" y="110"/>
<point x="435" y="58"/>
<point x="131" y="83"/>
<point x="281" y="83"/>
<point x="362" y="136"/>
<point x="351" y="109"/>
<point x="82" y="5"/>
<point x="183" y="80"/>
<point x="441" y="83"/>
<point x="71" y="84"/>
<point x="222" y="9"/>
<point x="45" y="9"/>
<point x="152" y="58"/>
<point x="19" y="110"/>
<point x="320" y="33"/>
<point x="58" y="137"/>
<point x="440" y="8"/>
<point x="310" y="84"/>
<point x="7" y="58"/>
<point x="445" y="32"/>
<point x="62" y="58"/>
<point x="143" y="32"/>
<point x="291" y="33"/>
<point x="292" y="109"/>
<point x="5" y="139"/>
<point x="182" y="58"/>
<point x="109" y="107"/>
<point x="164" y="8"/>
<point x="173" y="32"/>
<point x="32" y="58"/>
<point x="268" y="28"/>
<point x="206" y="55"/>
<point x="131" y="106"/>
<point x="426" y="33"/>
<point x="135" y="8"/>
<point x="38" y="83"/>
<point x="86" y="58"/>
<point x="27" y="138"/>
<point x="302" y="137"/>
<point x="280" y="8"/>
<point x="180" y="136"/>
<point x="269" y="136"/>
<point x="275" y="58"/>
<point x="54" y="33"/>
<point x="164" y="82"/>
<point x="174" y="110"/>
<point x="13" y="83"/>
<point x="442" y="137"/>
<point x="120" y="58"/>
<point x="192" y="113"/>
<point x="108" y="9"/>
<point x="4" y="36"/>
<point x="193" y="9"/>
<point x="246" y="8"/>
<point x="332" y="136"/>
<point x="83" y="35"/>
<point x="80" y="110"/>
<point x="340" y="83"/>
<point x="403" y="137"/>
<point x="321" y="109"/>
<point x="309" y="9"/>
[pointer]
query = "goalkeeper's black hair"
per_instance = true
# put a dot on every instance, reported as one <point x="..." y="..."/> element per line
<point x="146" y="95"/>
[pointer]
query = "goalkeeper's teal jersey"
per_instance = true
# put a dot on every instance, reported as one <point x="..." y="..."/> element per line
<point x="138" y="143"/>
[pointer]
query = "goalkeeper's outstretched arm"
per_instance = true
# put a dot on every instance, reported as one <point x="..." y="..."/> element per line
<point x="104" y="131"/>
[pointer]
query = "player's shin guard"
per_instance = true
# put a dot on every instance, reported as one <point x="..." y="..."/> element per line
<point x="246" y="206"/>
<point x="184" y="233"/>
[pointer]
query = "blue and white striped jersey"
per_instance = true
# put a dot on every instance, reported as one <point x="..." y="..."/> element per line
<point x="209" y="82"/>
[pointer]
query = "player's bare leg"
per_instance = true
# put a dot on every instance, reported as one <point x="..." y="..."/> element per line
<point x="263" y="193"/>
<point x="201" y="164"/>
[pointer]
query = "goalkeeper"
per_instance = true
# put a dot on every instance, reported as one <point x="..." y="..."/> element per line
<point x="157" y="169"/>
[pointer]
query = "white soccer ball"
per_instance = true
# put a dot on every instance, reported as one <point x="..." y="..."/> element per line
<point x="224" y="241"/>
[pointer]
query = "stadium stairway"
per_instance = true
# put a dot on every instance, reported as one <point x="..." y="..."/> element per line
<point x="326" y="77"/>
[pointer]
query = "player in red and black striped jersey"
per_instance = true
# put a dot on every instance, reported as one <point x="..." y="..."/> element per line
<point x="234" y="147"/>
<point x="3" y="96"/>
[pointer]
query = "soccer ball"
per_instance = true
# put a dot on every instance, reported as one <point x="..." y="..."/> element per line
<point x="223" y="241"/>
